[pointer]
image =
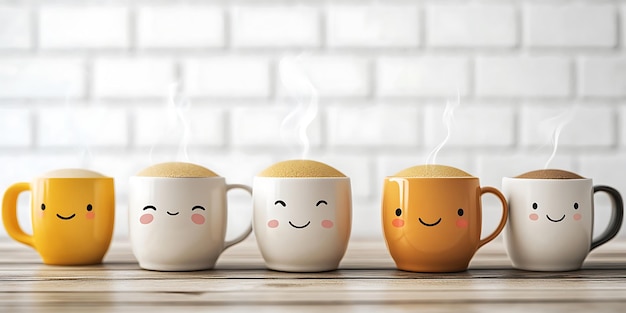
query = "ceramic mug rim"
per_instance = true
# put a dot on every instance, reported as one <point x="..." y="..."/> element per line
<point x="435" y="178"/>
<point x="152" y="178"/>
<point x="553" y="180"/>
<point x="343" y="178"/>
<point x="73" y="178"/>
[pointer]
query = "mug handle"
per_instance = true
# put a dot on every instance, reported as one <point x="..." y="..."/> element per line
<point x="617" y="216"/>
<point x="505" y="214"/>
<point x="9" y="213"/>
<point x="247" y="232"/>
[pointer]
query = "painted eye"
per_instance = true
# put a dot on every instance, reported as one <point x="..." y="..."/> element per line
<point x="460" y="212"/>
<point x="43" y="206"/>
<point x="89" y="207"/>
<point x="535" y="206"/>
<point x="321" y="202"/>
<point x="281" y="202"/>
<point x="198" y="207"/>
<point x="149" y="207"/>
<point x="398" y="212"/>
<point x="575" y="205"/>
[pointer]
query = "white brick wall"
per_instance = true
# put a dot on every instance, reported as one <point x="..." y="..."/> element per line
<point x="293" y="26"/>
<point x="472" y="126"/>
<point x="471" y="26"/>
<point x="15" y="25"/>
<point x="505" y="76"/>
<point x="422" y="76"/>
<point x="81" y="128"/>
<point x="602" y="77"/>
<point x="571" y="25"/>
<point x="263" y="127"/>
<point x="41" y="78"/>
<point x="171" y="27"/>
<point x="132" y="77"/>
<point x="372" y="127"/>
<point x="15" y="128"/>
<point x="335" y="76"/>
<point x="89" y="84"/>
<point x="538" y="124"/>
<point x="373" y="26"/>
<point x="83" y="27"/>
<point x="228" y="77"/>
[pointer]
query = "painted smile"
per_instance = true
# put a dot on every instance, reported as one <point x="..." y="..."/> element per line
<point x="172" y="214"/>
<point x="429" y="225"/>
<point x="66" y="218"/>
<point x="555" y="221"/>
<point x="296" y="226"/>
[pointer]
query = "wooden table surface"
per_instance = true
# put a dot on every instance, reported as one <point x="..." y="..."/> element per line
<point x="366" y="281"/>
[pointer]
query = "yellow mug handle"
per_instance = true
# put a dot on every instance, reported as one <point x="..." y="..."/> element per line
<point x="9" y="213"/>
<point x="505" y="214"/>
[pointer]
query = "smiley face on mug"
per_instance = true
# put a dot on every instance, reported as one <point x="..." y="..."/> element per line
<point x="149" y="211"/>
<point x="301" y="221"/>
<point x="427" y="216"/>
<point x="87" y="212"/>
<point x="561" y="213"/>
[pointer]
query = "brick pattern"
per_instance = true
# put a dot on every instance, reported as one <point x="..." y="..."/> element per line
<point x="117" y="86"/>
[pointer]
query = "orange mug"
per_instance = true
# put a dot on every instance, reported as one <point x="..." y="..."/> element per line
<point x="433" y="224"/>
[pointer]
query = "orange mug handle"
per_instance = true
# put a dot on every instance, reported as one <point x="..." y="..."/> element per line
<point x="9" y="213"/>
<point x="505" y="214"/>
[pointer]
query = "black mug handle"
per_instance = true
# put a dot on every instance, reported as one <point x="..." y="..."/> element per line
<point x="617" y="216"/>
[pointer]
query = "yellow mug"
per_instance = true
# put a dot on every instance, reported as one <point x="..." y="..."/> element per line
<point x="73" y="212"/>
<point x="433" y="224"/>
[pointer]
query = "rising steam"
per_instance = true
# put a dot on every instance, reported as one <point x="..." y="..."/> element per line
<point x="180" y="103"/>
<point x="177" y="106"/>
<point x="447" y="118"/>
<point x="562" y="119"/>
<point x="78" y="130"/>
<point x="298" y="86"/>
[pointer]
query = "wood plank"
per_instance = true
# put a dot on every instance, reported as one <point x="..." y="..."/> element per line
<point x="367" y="280"/>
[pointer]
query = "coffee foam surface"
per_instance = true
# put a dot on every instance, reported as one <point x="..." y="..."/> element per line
<point x="177" y="169"/>
<point x="432" y="170"/>
<point x="550" y="174"/>
<point x="72" y="173"/>
<point x="300" y="168"/>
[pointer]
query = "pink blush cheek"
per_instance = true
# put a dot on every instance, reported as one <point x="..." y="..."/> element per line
<point x="533" y="217"/>
<point x="397" y="222"/>
<point x="90" y="215"/>
<point x="461" y="223"/>
<point x="272" y="224"/>
<point x="327" y="224"/>
<point x="146" y="219"/>
<point x="197" y="219"/>
<point x="577" y="217"/>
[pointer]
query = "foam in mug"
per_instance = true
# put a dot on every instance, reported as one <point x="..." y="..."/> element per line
<point x="177" y="170"/>
<point x="72" y="173"/>
<point x="301" y="168"/>
<point x="432" y="170"/>
<point x="550" y="174"/>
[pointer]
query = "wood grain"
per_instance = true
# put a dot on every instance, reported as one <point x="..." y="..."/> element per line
<point x="366" y="280"/>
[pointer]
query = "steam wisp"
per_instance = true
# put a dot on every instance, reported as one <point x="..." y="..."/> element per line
<point x="448" y="119"/>
<point x="562" y="119"/>
<point x="177" y="106"/>
<point x="298" y="86"/>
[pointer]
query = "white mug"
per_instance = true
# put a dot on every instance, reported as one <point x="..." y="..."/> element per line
<point x="302" y="224"/>
<point x="179" y="224"/>
<point x="550" y="223"/>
